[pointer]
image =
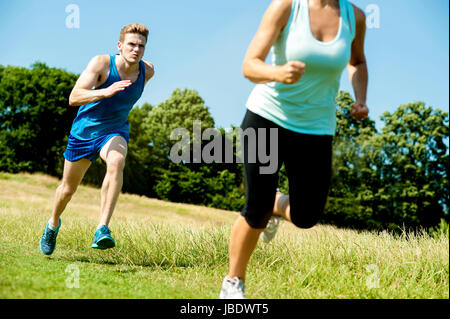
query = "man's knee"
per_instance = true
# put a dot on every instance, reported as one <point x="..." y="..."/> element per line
<point x="66" y="190"/>
<point x="115" y="163"/>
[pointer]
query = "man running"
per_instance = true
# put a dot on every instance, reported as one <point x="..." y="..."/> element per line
<point x="106" y="91"/>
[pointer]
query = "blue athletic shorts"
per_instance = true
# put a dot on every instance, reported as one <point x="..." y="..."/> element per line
<point x="77" y="149"/>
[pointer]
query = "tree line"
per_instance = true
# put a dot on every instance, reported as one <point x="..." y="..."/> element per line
<point x="389" y="179"/>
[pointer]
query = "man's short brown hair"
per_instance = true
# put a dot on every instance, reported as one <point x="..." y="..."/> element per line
<point x="134" y="28"/>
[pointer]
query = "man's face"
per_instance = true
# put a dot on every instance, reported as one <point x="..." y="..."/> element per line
<point x="133" y="47"/>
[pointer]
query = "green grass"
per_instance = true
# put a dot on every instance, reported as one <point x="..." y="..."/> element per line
<point x="168" y="250"/>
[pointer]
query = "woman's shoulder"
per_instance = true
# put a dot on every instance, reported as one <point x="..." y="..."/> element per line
<point x="282" y="5"/>
<point x="287" y="3"/>
<point x="279" y="11"/>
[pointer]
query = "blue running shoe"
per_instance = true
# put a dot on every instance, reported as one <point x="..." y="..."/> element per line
<point x="48" y="239"/>
<point x="103" y="239"/>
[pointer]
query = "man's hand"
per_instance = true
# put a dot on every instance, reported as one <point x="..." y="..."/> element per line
<point x="116" y="87"/>
<point x="291" y="72"/>
<point x="360" y="111"/>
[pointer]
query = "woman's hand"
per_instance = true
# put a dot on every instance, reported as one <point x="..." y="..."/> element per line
<point x="360" y="111"/>
<point x="290" y="73"/>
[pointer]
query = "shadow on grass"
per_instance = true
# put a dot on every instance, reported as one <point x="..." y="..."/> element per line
<point x="130" y="266"/>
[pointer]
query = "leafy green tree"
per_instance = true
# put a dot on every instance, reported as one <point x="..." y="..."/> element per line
<point x="209" y="184"/>
<point x="139" y="173"/>
<point x="412" y="157"/>
<point x="350" y="168"/>
<point x="395" y="178"/>
<point x="179" y="111"/>
<point x="35" y="117"/>
<point x="386" y="179"/>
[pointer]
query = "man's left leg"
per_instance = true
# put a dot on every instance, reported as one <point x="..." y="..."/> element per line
<point x="113" y="153"/>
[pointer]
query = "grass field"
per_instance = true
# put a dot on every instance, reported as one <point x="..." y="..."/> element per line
<point x="167" y="250"/>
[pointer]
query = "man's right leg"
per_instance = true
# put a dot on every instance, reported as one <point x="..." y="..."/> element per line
<point x="72" y="176"/>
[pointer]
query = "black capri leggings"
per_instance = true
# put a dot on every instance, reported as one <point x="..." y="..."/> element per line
<point x="307" y="160"/>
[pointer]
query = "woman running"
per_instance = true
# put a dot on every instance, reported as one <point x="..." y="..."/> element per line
<point x="312" y="41"/>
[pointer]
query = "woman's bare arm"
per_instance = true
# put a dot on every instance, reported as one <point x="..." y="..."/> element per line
<point x="357" y="67"/>
<point x="254" y="67"/>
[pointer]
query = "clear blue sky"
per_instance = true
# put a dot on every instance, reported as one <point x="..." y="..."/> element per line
<point x="200" y="44"/>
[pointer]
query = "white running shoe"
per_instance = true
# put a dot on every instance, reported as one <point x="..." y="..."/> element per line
<point x="232" y="288"/>
<point x="273" y="224"/>
<point x="271" y="228"/>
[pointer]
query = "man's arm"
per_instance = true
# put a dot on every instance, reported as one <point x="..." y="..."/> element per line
<point x="82" y="92"/>
<point x="149" y="71"/>
<point x="357" y="67"/>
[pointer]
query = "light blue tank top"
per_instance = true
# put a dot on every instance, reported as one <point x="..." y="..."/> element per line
<point x="307" y="106"/>
<point x="108" y="115"/>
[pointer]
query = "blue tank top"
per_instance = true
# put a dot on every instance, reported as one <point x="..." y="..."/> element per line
<point x="307" y="106"/>
<point x="108" y="115"/>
